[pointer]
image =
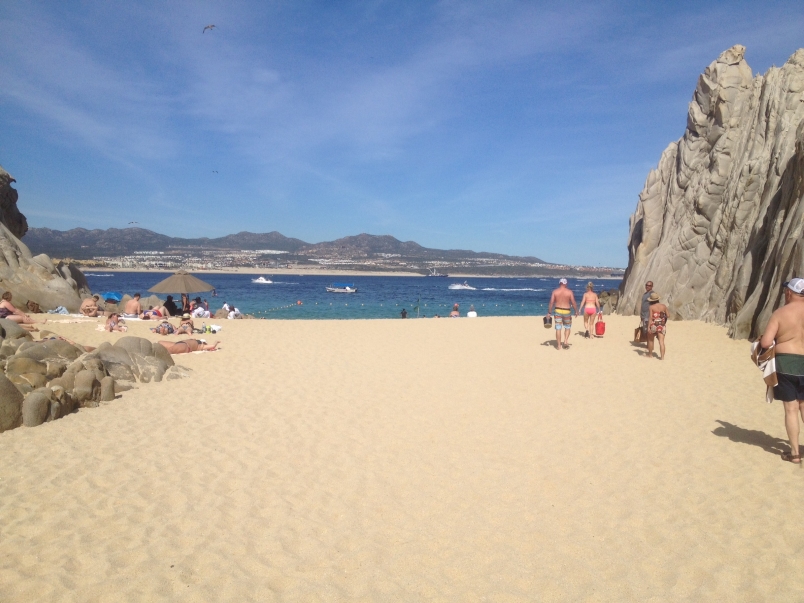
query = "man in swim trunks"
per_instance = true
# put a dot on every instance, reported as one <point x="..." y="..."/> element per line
<point x="89" y="307"/>
<point x="786" y="328"/>
<point x="133" y="307"/>
<point x="562" y="299"/>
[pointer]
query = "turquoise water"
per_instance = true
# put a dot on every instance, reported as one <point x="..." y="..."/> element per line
<point x="377" y="296"/>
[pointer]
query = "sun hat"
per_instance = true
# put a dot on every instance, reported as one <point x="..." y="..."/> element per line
<point x="185" y="315"/>
<point x="796" y="285"/>
<point x="562" y="281"/>
<point x="653" y="297"/>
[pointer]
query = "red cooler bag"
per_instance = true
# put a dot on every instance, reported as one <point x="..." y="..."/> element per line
<point x="600" y="328"/>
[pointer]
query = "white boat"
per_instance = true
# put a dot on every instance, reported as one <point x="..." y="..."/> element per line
<point x="341" y="288"/>
<point x="262" y="280"/>
<point x="463" y="285"/>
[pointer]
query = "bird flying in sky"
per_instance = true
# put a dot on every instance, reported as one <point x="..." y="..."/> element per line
<point x="208" y="27"/>
<point x="133" y="222"/>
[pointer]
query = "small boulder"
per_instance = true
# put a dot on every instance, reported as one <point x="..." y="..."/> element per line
<point x="118" y="363"/>
<point x="50" y="348"/>
<point x="9" y="347"/>
<point x="87" y="389"/>
<point x="19" y="365"/>
<point x="10" y="405"/>
<point x="67" y="381"/>
<point x="107" y="389"/>
<point x="150" y="368"/>
<point x="28" y="381"/>
<point x="35" y="409"/>
<point x="11" y="330"/>
<point x="140" y="345"/>
<point x="178" y="372"/>
<point x="161" y="353"/>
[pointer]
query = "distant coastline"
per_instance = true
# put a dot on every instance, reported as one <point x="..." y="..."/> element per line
<point x="302" y="271"/>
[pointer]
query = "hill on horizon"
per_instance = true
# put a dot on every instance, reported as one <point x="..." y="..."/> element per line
<point x="82" y="244"/>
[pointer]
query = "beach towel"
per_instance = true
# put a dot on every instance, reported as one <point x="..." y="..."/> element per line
<point x="59" y="310"/>
<point x="766" y="361"/>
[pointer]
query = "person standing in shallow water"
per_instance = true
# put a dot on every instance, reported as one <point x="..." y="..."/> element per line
<point x="562" y="299"/>
<point x="786" y="329"/>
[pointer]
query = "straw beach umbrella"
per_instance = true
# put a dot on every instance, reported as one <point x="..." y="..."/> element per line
<point x="181" y="282"/>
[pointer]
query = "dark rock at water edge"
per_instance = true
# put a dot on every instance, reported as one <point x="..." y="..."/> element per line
<point x="28" y="277"/>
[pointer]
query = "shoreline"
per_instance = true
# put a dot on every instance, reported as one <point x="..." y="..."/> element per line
<point x="297" y="271"/>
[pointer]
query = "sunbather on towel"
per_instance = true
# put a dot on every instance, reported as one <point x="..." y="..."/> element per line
<point x="185" y="346"/>
<point x="113" y="323"/>
<point x="186" y="325"/>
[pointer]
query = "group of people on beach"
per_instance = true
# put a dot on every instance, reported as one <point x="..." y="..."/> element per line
<point x="653" y="316"/>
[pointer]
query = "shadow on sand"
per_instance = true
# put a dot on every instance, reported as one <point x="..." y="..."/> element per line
<point x="753" y="437"/>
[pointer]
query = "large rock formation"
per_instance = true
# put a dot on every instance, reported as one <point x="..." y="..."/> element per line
<point x="718" y="226"/>
<point x="31" y="277"/>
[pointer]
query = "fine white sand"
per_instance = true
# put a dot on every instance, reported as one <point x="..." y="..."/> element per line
<point x="412" y="460"/>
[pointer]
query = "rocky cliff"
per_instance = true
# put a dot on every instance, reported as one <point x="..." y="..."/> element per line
<point x="718" y="225"/>
<point x="31" y="277"/>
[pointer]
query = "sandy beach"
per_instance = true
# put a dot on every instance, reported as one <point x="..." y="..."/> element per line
<point x="412" y="460"/>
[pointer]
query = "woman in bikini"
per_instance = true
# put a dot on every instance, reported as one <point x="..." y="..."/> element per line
<point x="657" y="324"/>
<point x="186" y="325"/>
<point x="185" y="304"/>
<point x="185" y="346"/>
<point x="10" y="312"/>
<point x="590" y="305"/>
<point x="113" y="323"/>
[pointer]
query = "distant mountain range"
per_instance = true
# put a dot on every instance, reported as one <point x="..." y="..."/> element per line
<point x="81" y="244"/>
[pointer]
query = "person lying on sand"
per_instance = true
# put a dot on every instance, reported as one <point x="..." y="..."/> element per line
<point x="164" y="328"/>
<point x="9" y="312"/>
<point x="113" y="323"/>
<point x="154" y="313"/>
<point x="89" y="307"/>
<point x="185" y="346"/>
<point x="186" y="325"/>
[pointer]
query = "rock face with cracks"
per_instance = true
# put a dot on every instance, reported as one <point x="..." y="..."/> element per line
<point x="29" y="277"/>
<point x="718" y="227"/>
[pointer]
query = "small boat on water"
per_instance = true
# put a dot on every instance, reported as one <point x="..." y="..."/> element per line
<point x="463" y="285"/>
<point x="342" y="288"/>
<point x="262" y="280"/>
<point x="434" y="272"/>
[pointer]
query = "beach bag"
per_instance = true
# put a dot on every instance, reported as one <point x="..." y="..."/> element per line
<point x="548" y="322"/>
<point x="600" y="328"/>
<point x="33" y="307"/>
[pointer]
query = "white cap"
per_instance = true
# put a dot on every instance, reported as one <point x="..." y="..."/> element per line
<point x="563" y="281"/>
<point x="796" y="285"/>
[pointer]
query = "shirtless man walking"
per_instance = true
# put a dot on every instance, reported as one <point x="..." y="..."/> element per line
<point x="786" y="328"/>
<point x="562" y="299"/>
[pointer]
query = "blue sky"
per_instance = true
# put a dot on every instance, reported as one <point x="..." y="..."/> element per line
<point x="525" y="128"/>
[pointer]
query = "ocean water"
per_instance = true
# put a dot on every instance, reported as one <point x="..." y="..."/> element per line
<point x="376" y="297"/>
